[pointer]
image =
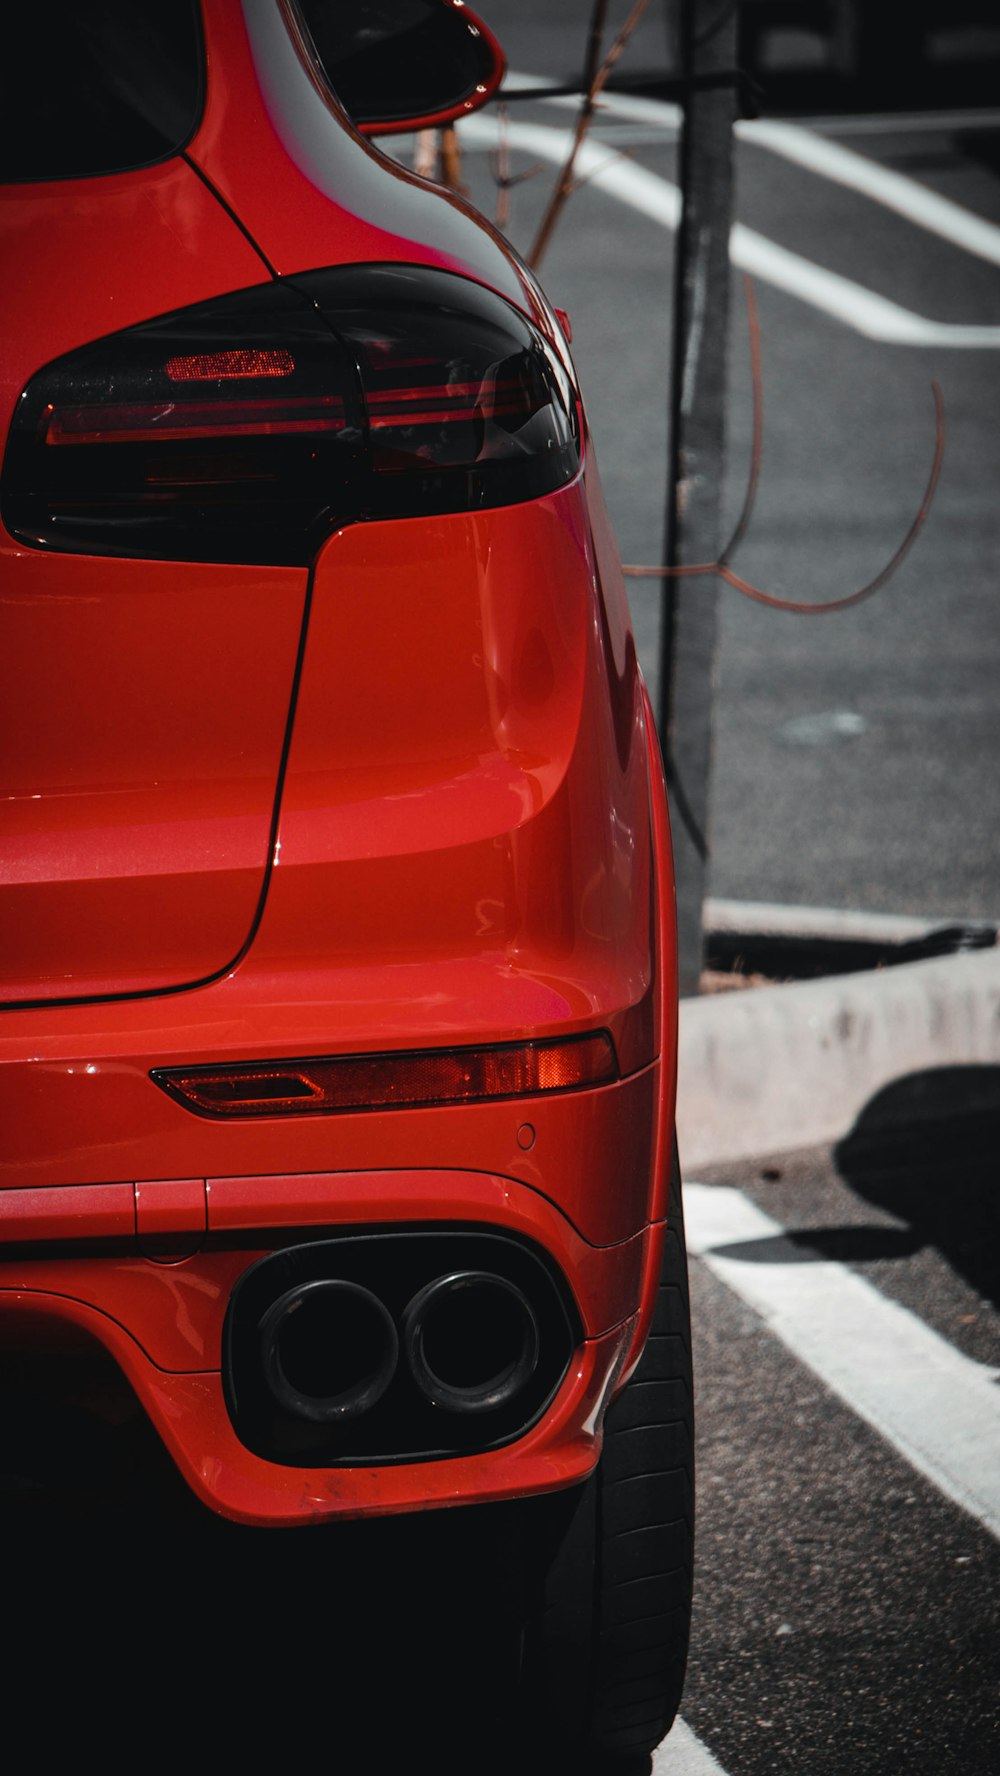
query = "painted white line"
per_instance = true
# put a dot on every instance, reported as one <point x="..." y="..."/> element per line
<point x="927" y="209"/>
<point x="658" y="112"/>
<point x="632" y="185"/>
<point x="828" y="160"/>
<point x="683" y="1754"/>
<point x="903" y="123"/>
<point x="867" y="123"/>
<point x="874" y="316"/>
<point x="850" y="303"/>
<point x="937" y="1407"/>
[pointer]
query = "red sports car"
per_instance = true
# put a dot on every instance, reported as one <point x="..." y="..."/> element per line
<point x="338" y="963"/>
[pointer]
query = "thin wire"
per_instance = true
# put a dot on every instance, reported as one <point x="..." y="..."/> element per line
<point x="596" y="75"/>
<point x="757" y="446"/>
<point x="824" y="608"/>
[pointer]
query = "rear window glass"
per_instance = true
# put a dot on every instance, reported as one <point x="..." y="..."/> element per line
<point x="97" y="86"/>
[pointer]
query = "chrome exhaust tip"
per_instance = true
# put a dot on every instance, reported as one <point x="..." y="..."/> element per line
<point x="328" y="1350"/>
<point x="470" y="1341"/>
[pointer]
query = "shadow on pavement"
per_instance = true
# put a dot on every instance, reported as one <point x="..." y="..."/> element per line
<point x="925" y="1150"/>
<point x="840" y="1245"/>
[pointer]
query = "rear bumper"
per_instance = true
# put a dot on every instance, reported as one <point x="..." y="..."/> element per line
<point x="161" y="1317"/>
<point x="128" y="1220"/>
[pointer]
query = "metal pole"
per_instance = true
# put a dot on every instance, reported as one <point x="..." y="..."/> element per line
<point x="708" y="45"/>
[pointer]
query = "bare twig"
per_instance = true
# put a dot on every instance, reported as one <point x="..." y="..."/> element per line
<point x="500" y="168"/>
<point x="425" y="153"/>
<point x="451" y="160"/>
<point x="595" y="78"/>
<point x="614" y="156"/>
<point x="437" y="156"/>
<point x="503" y="178"/>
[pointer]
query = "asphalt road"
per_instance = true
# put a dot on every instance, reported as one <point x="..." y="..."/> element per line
<point x="847" y="1607"/>
<point x="857" y="756"/>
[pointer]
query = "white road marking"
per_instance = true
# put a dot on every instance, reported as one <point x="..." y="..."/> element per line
<point x="828" y="160"/>
<point x="903" y="123"/>
<point x="600" y="165"/>
<point x="683" y="1754"/>
<point x="659" y="112"/>
<point x="843" y="166"/>
<point x="874" y="316"/>
<point x="937" y="1407"/>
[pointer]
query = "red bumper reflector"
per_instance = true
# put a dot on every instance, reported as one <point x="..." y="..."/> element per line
<point x="393" y="1081"/>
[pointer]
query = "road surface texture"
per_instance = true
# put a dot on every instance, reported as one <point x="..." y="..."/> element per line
<point x="848" y="1594"/>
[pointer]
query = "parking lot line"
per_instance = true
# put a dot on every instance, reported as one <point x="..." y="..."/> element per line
<point x="806" y="147"/>
<point x="683" y="1754"/>
<point x="895" y="191"/>
<point x="874" y="316"/>
<point x="937" y="1407"/>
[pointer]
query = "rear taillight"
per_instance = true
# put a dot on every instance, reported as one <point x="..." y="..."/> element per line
<point x="393" y="1081"/>
<point x="249" y="428"/>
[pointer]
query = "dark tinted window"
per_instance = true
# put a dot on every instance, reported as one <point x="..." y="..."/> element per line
<point x="97" y="86"/>
<point x="392" y="59"/>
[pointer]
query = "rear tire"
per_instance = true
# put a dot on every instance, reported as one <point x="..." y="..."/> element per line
<point x="606" y="1651"/>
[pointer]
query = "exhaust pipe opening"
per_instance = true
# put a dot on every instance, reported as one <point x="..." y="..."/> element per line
<point x="328" y="1350"/>
<point x="471" y="1341"/>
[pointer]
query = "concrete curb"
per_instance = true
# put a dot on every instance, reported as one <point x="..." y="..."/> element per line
<point x="772" y="1068"/>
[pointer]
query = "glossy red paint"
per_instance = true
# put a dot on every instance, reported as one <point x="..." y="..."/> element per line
<point x="140" y="782"/>
<point x="176" y="1305"/>
<point x="189" y="1412"/>
<point x="182" y="248"/>
<point x="590" y="1154"/>
<point x="407" y="797"/>
<point x="310" y="191"/>
<point x="119" y="735"/>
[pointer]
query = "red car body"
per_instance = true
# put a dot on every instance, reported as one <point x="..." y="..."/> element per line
<point x="337" y="893"/>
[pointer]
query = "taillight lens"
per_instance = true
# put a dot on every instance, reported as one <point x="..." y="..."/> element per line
<point x="249" y="428"/>
<point x="393" y="1081"/>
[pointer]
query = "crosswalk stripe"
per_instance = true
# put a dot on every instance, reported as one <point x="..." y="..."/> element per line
<point x="937" y="1407"/>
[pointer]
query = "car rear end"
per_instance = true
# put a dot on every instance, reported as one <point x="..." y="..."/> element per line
<point x="337" y="1048"/>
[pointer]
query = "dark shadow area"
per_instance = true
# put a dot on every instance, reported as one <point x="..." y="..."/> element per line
<point x="842" y="1245"/>
<point x="385" y="1645"/>
<point x="925" y="1151"/>
<point x="382" y="1645"/>
<point x="782" y="956"/>
<point x="843" y="57"/>
<point x="982" y="145"/>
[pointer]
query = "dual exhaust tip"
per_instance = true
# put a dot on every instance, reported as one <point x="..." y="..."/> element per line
<point x="330" y="1348"/>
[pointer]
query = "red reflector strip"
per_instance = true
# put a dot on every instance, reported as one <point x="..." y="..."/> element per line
<point x="442" y="391"/>
<point x="152" y="421"/>
<point x="218" y="366"/>
<point x="453" y="402"/>
<point x="396" y="1081"/>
